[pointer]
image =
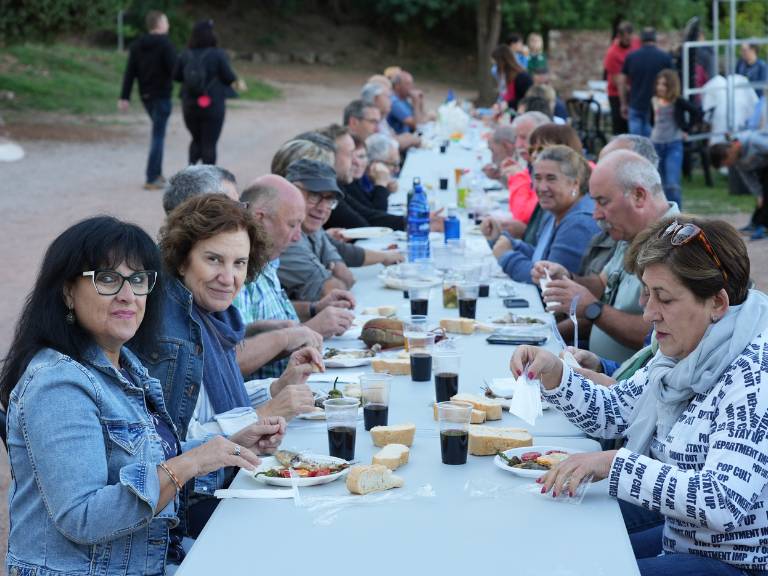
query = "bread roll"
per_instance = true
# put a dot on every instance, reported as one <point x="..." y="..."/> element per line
<point x="487" y="440"/>
<point x="492" y="408"/>
<point x="373" y="478"/>
<point x="400" y="434"/>
<point x="392" y="456"/>
<point x="379" y="311"/>
<point x="458" y="325"/>
<point x="395" y="366"/>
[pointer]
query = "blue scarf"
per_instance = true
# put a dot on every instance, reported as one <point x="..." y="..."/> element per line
<point x="221" y="332"/>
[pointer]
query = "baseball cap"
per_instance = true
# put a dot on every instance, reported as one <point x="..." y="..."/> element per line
<point x="314" y="176"/>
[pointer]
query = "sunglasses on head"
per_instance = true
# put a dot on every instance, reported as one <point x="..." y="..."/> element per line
<point x="682" y="234"/>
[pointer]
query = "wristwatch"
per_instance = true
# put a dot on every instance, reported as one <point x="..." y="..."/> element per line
<point x="592" y="312"/>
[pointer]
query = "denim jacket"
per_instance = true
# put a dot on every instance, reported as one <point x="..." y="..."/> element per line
<point x="84" y="483"/>
<point x="177" y="361"/>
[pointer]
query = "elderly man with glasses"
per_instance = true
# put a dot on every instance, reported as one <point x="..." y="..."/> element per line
<point x="361" y="119"/>
<point x="313" y="267"/>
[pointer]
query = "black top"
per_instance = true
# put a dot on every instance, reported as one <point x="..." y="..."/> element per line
<point x="523" y="81"/>
<point x="151" y="60"/>
<point x="641" y="68"/>
<point x="356" y="210"/>
<point x="219" y="74"/>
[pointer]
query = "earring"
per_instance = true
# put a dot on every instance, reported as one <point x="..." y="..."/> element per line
<point x="573" y="193"/>
<point x="714" y="319"/>
<point x="70" y="317"/>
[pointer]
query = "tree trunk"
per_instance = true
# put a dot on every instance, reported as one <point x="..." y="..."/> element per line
<point x="488" y="29"/>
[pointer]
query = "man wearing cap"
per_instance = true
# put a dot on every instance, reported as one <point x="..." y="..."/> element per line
<point x="639" y="71"/>
<point x="312" y="267"/>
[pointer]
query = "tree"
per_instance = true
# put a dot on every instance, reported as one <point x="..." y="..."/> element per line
<point x="488" y="29"/>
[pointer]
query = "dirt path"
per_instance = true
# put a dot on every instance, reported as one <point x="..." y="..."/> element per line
<point x="71" y="172"/>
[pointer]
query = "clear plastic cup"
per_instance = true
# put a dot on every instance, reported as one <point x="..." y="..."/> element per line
<point x="341" y="418"/>
<point x="375" y="390"/>
<point x="419" y="345"/>
<point x="453" y="418"/>
<point x="446" y="365"/>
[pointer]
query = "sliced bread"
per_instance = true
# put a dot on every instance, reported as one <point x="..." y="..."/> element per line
<point x="492" y="408"/>
<point x="374" y="478"/>
<point x="399" y="434"/>
<point x="392" y="456"/>
<point x="395" y="366"/>
<point x="458" y="325"/>
<point x="487" y="440"/>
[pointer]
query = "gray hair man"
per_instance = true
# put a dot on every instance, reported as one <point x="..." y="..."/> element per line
<point x="196" y="180"/>
<point x="380" y="95"/>
<point x="502" y="145"/>
<point x="628" y="198"/>
<point x="634" y="142"/>
<point x="361" y="119"/>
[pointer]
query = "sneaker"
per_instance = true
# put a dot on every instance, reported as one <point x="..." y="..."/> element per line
<point x="748" y="229"/>
<point x="156" y="184"/>
<point x="758" y="234"/>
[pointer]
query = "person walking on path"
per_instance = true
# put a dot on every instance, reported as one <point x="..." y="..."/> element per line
<point x="151" y="61"/>
<point x="206" y="81"/>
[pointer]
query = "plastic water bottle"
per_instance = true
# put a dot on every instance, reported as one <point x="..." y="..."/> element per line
<point x="418" y="223"/>
<point x="452" y="225"/>
<point x="450" y="97"/>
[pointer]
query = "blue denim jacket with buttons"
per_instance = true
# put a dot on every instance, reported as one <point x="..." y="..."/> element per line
<point x="84" y="482"/>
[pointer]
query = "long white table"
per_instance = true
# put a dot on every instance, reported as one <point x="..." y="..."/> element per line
<point x="477" y="517"/>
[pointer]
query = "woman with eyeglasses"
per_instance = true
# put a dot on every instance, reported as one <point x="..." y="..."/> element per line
<point x="560" y="176"/>
<point x="95" y="458"/>
<point x="692" y="479"/>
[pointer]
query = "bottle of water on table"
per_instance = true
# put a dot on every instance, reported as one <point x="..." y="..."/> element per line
<point x="418" y="223"/>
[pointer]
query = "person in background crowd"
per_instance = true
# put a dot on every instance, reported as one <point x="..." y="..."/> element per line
<point x="755" y="70"/>
<point x="96" y="459"/>
<point x="637" y="82"/>
<point x="748" y="157"/>
<point x="613" y="63"/>
<point x="560" y="178"/>
<point x="151" y="60"/>
<point x="536" y="57"/>
<point x="519" y="49"/>
<point x="514" y="81"/>
<point x="691" y="480"/>
<point x="628" y="198"/>
<point x="379" y="94"/>
<point x="673" y="117"/>
<point x="383" y="169"/>
<point x="548" y="94"/>
<point x="195" y="180"/>
<point x="278" y="206"/>
<point x="297" y="149"/>
<point x="541" y="77"/>
<point x="206" y="79"/>
<point x="407" y="110"/>
<point x="362" y="120"/>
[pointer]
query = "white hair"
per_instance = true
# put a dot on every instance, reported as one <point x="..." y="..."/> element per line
<point x="370" y="91"/>
<point x="538" y="119"/>
<point x="379" y="147"/>
<point x="635" y="171"/>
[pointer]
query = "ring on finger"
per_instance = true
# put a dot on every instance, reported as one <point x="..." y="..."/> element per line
<point x="237" y="450"/>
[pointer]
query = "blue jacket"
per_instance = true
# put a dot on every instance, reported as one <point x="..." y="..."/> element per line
<point x="565" y="245"/>
<point x="84" y="453"/>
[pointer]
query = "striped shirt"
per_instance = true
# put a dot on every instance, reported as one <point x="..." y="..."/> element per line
<point x="264" y="299"/>
<point x="709" y="475"/>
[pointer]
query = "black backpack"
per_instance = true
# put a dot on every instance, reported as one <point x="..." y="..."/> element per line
<point x="195" y="82"/>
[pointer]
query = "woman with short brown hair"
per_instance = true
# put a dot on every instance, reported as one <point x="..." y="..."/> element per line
<point x="695" y="417"/>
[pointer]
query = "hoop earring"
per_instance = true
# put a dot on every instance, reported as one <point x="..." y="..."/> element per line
<point x="70" y="317"/>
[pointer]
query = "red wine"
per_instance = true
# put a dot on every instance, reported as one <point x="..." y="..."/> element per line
<point x="453" y="446"/>
<point x="485" y="290"/>
<point x="341" y="442"/>
<point x="446" y="386"/>
<point x="421" y="367"/>
<point x="375" y="415"/>
<point x="419" y="306"/>
<point x="467" y="308"/>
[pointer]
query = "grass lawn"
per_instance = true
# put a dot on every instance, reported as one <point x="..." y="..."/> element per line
<point x="699" y="199"/>
<point x="77" y="80"/>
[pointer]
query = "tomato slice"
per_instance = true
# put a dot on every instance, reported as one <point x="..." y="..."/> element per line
<point x="323" y="472"/>
<point x="530" y="456"/>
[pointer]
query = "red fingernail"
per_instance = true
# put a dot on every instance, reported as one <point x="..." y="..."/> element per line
<point x="530" y="375"/>
<point x="539" y="480"/>
<point x="570" y="493"/>
<point x="543" y="489"/>
<point x="554" y="494"/>
<point x="518" y="372"/>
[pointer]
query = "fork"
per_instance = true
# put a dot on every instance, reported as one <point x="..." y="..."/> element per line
<point x="574" y="319"/>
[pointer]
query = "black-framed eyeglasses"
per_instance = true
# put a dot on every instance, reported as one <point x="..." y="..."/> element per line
<point x="109" y="282"/>
<point x="313" y="199"/>
<point x="682" y="234"/>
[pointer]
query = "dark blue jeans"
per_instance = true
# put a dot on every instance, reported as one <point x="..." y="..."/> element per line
<point x="158" y="109"/>
<point x="645" y="529"/>
<point x="671" y="168"/>
<point x="639" y="122"/>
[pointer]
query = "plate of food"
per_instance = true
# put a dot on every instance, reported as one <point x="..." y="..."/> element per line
<point x="310" y="469"/>
<point x="366" y="232"/>
<point x="531" y="461"/>
<point x="347" y="357"/>
<point x="511" y="319"/>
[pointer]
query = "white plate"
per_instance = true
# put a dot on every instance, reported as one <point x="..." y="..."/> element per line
<point x="366" y="232"/>
<point x="347" y="362"/>
<point x="520" y="451"/>
<point x="319" y="414"/>
<point x="396" y="283"/>
<point x="271" y="462"/>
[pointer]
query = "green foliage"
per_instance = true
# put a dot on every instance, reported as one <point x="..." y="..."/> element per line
<point x="44" y="19"/>
<point x="136" y="12"/>
<point x="699" y="199"/>
<point x="258" y="90"/>
<point x="428" y="13"/>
